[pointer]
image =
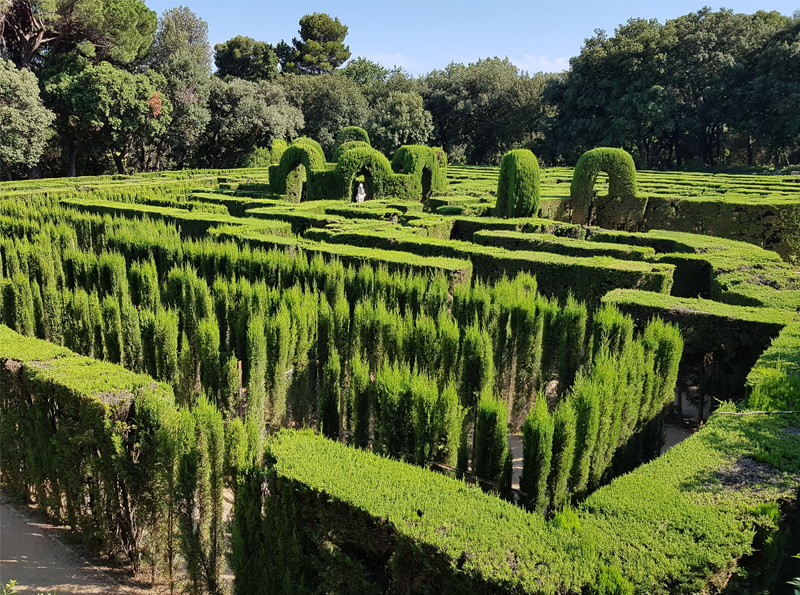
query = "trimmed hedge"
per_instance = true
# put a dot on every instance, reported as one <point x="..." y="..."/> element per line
<point x="191" y="223"/>
<point x="351" y="134"/>
<point x="379" y="181"/>
<point x="340" y="150"/>
<point x="518" y="191"/>
<point x="774" y="381"/>
<point x="587" y="278"/>
<point x="303" y="152"/>
<point x="385" y="525"/>
<point x="621" y="170"/>
<point x="415" y="159"/>
<point x="542" y="242"/>
<point x="734" y="336"/>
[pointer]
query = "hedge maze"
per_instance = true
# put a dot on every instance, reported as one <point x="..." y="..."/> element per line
<point x="351" y="372"/>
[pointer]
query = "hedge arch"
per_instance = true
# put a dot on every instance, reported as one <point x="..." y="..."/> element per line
<point x="366" y="161"/>
<point x="518" y="191"/>
<point x="351" y="144"/>
<point x="621" y="170"/>
<point x="426" y="164"/>
<point x="306" y="153"/>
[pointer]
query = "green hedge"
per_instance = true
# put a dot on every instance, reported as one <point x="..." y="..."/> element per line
<point x="416" y="159"/>
<point x="671" y="526"/>
<point x="621" y="170"/>
<point x="76" y="430"/>
<point x="774" y="381"/>
<point x="191" y="223"/>
<point x="541" y="242"/>
<point x="734" y="336"/>
<point x="303" y="152"/>
<point x="350" y="134"/>
<point x="340" y="150"/>
<point x="457" y="271"/>
<point x="518" y="191"/>
<point x="586" y="278"/>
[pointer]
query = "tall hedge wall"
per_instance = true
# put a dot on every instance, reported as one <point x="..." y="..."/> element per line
<point x="621" y="170"/>
<point x="518" y="192"/>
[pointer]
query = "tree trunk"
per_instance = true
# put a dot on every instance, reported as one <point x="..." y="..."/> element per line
<point x="73" y="153"/>
<point x="750" y="160"/>
<point x="4" y="170"/>
<point x="118" y="157"/>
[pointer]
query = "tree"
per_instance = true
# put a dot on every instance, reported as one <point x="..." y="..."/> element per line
<point x="320" y="49"/>
<point x="483" y="110"/>
<point x="24" y="121"/>
<point x="246" y="58"/>
<point x="181" y="54"/>
<point x="329" y="103"/>
<point x="399" y="119"/>
<point x="107" y="109"/>
<point x="245" y="115"/>
<point x="118" y="30"/>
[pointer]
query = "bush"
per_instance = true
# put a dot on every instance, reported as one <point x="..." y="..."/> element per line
<point x="351" y="134"/>
<point x="537" y="455"/>
<point x="518" y="191"/>
<point x="621" y="170"/>
<point x="491" y="442"/>
<point x="340" y="150"/>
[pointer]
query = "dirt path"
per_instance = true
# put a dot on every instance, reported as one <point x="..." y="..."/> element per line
<point x="32" y="554"/>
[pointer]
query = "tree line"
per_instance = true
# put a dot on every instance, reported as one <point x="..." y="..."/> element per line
<point x="116" y="89"/>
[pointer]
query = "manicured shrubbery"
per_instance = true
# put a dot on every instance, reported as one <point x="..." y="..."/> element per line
<point x="518" y="191"/>
<point x="621" y="170"/>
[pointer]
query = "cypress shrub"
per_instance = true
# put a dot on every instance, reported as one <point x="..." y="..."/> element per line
<point x="506" y="491"/>
<point x="447" y="421"/>
<point x="586" y="401"/>
<point x="491" y="442"/>
<point x="621" y="170"/>
<point x="257" y="370"/>
<point x="18" y="310"/>
<point x="448" y="340"/>
<point x="424" y="396"/>
<point x="608" y="375"/>
<point x="77" y="328"/>
<point x="38" y="309"/>
<point x="360" y="401"/>
<point x="611" y="329"/>
<point x="147" y="325"/>
<point x="96" y="318"/>
<point x="112" y="275"/>
<point x="277" y="150"/>
<point x="144" y="286"/>
<point x="185" y="389"/>
<point x="477" y="368"/>
<point x="427" y="349"/>
<point x="518" y="192"/>
<point x="112" y="329"/>
<point x="548" y="310"/>
<point x="394" y="424"/>
<point x="528" y="324"/>
<point x="537" y="455"/>
<point x="53" y="309"/>
<point x="209" y="357"/>
<point x="329" y="397"/>
<point x="230" y="397"/>
<point x="564" y="429"/>
<point x="131" y="336"/>
<point x="281" y="340"/>
<point x="572" y="322"/>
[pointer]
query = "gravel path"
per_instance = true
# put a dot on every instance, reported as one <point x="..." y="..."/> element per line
<point x="32" y="554"/>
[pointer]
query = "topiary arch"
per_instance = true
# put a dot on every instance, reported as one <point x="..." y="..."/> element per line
<point x="424" y="163"/>
<point x="379" y="180"/>
<point x="518" y="185"/>
<point x="621" y="170"/>
<point x="351" y="144"/>
<point x="303" y="151"/>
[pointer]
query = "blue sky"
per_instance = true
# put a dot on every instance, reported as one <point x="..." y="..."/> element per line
<point x="419" y="35"/>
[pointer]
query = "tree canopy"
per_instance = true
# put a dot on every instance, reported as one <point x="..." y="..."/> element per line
<point x="320" y="49"/>
<point x="246" y="58"/>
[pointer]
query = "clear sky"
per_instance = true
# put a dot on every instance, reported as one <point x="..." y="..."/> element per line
<point x="423" y="35"/>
